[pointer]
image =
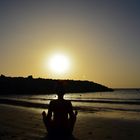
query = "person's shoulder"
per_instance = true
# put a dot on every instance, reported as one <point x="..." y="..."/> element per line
<point x="52" y="101"/>
<point x="68" y="102"/>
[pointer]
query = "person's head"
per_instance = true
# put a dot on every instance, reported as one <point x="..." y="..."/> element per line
<point x="60" y="95"/>
<point x="60" y="90"/>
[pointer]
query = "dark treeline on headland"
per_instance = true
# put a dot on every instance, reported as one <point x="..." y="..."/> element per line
<point x="30" y="85"/>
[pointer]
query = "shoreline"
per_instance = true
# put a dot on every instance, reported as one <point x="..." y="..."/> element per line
<point x="91" y="107"/>
<point x="26" y="123"/>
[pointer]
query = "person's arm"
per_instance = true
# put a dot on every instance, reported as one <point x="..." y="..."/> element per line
<point x="49" y="115"/>
<point x="71" y="113"/>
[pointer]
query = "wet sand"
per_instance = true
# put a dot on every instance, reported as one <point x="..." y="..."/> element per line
<point x="22" y="123"/>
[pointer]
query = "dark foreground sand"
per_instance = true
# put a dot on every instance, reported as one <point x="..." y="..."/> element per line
<point x="20" y="123"/>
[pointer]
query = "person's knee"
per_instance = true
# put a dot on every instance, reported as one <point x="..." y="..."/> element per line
<point x="43" y="113"/>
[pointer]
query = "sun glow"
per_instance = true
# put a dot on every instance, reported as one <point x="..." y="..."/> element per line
<point x="59" y="63"/>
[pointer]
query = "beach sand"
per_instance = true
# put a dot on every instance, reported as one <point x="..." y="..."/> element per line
<point x="22" y="123"/>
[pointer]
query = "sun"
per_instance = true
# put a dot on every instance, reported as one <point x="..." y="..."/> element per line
<point x="59" y="63"/>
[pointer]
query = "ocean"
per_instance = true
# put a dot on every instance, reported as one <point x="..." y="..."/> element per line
<point x="119" y="99"/>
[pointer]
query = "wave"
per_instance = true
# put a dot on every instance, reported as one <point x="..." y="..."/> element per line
<point x="80" y="108"/>
<point x="112" y="101"/>
<point x="22" y="103"/>
<point x="95" y="100"/>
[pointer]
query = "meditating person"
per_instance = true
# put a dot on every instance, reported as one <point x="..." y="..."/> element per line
<point x="60" y="118"/>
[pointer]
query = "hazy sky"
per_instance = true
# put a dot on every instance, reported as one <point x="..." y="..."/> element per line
<point x="100" y="37"/>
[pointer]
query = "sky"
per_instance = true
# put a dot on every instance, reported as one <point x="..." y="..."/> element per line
<point x="101" y="38"/>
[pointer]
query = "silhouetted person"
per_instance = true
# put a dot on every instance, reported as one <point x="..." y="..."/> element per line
<point x="60" y="119"/>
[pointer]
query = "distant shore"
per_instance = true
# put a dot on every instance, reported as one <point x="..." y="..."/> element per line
<point x="30" y="85"/>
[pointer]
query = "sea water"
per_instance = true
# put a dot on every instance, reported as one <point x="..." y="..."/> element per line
<point x="119" y="99"/>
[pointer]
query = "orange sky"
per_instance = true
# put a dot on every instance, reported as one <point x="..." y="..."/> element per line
<point x="100" y="39"/>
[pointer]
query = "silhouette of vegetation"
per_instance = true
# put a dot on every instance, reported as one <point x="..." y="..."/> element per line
<point x="30" y="85"/>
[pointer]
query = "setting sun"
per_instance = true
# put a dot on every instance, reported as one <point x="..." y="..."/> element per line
<point x="59" y="63"/>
